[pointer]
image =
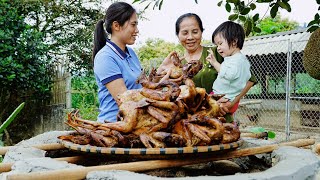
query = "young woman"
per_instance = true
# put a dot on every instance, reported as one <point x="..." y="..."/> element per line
<point x="116" y="66"/>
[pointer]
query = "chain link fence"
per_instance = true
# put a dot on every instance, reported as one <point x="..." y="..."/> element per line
<point x="286" y="99"/>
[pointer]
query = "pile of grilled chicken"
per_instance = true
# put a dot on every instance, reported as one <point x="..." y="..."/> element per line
<point x="169" y="113"/>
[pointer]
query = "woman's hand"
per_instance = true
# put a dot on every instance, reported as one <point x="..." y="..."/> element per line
<point x="167" y="63"/>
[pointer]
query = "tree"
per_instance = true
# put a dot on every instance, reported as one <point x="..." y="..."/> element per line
<point x="270" y="25"/>
<point x="241" y="11"/>
<point x="24" y="68"/>
<point x="67" y="27"/>
<point x="156" y="49"/>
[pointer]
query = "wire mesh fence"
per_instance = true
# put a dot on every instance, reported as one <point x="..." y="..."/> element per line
<point x="286" y="99"/>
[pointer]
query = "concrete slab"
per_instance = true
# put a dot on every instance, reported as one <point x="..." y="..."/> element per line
<point x="289" y="163"/>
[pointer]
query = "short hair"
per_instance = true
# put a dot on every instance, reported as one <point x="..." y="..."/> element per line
<point x="232" y="32"/>
<point x="187" y="15"/>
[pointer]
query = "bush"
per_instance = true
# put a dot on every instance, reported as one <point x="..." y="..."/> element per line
<point x="84" y="96"/>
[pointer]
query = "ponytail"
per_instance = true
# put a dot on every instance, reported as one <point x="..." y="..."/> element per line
<point x="100" y="38"/>
<point x="119" y="12"/>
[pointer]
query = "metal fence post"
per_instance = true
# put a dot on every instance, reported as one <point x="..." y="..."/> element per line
<point x="288" y="88"/>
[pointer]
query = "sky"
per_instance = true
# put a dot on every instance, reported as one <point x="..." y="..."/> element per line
<point x="161" y="23"/>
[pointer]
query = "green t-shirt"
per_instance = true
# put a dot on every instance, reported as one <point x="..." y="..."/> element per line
<point x="207" y="75"/>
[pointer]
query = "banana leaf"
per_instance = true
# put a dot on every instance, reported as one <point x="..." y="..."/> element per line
<point x="256" y="130"/>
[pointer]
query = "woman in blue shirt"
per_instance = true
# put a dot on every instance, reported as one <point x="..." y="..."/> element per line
<point x="116" y="66"/>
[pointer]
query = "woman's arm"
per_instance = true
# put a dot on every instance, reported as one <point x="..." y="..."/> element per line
<point x="116" y="87"/>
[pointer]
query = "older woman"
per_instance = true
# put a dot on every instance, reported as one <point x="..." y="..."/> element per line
<point x="189" y="31"/>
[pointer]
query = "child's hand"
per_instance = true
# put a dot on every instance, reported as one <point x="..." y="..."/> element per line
<point x="211" y="59"/>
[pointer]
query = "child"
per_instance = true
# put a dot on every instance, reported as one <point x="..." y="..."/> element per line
<point x="234" y="72"/>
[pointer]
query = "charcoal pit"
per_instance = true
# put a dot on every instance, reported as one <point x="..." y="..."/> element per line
<point x="284" y="163"/>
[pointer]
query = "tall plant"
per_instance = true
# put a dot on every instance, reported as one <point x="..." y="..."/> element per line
<point x="24" y="71"/>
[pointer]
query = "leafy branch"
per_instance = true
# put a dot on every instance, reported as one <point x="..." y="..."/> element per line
<point x="240" y="10"/>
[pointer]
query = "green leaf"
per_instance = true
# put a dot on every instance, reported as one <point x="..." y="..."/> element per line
<point x="274" y="11"/>
<point x="219" y="3"/>
<point x="242" y="18"/>
<point x="161" y="2"/>
<point x="155" y="4"/>
<point x="318" y="2"/>
<point x="147" y="6"/>
<point x="271" y="134"/>
<point x="228" y="7"/>
<point x="313" y="28"/>
<point x="11" y="117"/>
<point x="245" y="11"/>
<point x="233" y="17"/>
<point x="196" y="1"/>
<point x="312" y="23"/>
<point x="257" y="130"/>
<point x="248" y="27"/>
<point x="253" y="6"/>
<point x="284" y="5"/>
<point x="288" y="6"/>
<point x="255" y="17"/>
<point x="256" y="29"/>
<point x="233" y="1"/>
<point x="316" y="16"/>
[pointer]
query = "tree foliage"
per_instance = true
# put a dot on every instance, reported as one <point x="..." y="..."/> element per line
<point x="242" y="10"/>
<point x="270" y="25"/>
<point x="24" y="66"/>
<point x="84" y="96"/>
<point x="35" y="36"/>
<point x="67" y="27"/>
<point x="156" y="49"/>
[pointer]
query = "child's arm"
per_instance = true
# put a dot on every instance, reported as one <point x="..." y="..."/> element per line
<point x="212" y="60"/>
<point x="243" y="92"/>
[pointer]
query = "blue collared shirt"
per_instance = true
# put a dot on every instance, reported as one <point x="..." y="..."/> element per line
<point x="233" y="76"/>
<point x="111" y="63"/>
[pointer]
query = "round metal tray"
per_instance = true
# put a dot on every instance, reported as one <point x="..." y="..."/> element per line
<point x="150" y="151"/>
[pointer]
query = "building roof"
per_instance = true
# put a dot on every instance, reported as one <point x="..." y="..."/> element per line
<point x="276" y="43"/>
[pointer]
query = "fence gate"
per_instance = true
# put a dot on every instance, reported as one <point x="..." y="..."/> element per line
<point x="54" y="114"/>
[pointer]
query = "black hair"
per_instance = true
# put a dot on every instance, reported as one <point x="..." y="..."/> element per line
<point x="118" y="11"/>
<point x="232" y="32"/>
<point x="180" y="19"/>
